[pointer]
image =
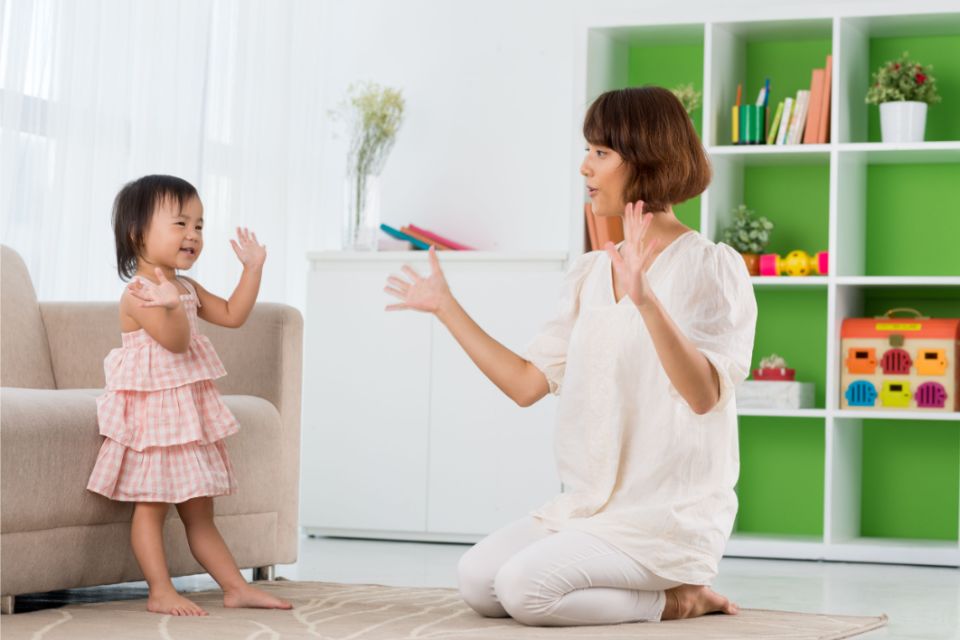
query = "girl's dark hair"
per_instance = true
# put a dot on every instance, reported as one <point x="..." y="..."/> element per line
<point x="651" y="131"/>
<point x="133" y="209"/>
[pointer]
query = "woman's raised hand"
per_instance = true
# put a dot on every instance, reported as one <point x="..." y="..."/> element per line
<point x="418" y="293"/>
<point x="163" y="294"/>
<point x="630" y="268"/>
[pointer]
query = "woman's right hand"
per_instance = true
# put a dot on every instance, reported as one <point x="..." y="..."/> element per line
<point x="428" y="294"/>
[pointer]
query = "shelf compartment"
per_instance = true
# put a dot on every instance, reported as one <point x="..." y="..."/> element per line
<point x="781" y="476"/>
<point x="868" y="42"/>
<point x="786" y="51"/>
<point x="909" y="486"/>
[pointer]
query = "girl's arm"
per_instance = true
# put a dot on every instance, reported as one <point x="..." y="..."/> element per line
<point x="520" y="380"/>
<point x="234" y="312"/>
<point x="691" y="373"/>
<point x="156" y="308"/>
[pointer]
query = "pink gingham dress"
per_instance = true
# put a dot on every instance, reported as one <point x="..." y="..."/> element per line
<point x="163" y="420"/>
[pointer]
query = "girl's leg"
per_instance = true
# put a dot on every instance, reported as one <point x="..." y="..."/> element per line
<point x="479" y="566"/>
<point x="573" y="578"/>
<point x="146" y="538"/>
<point x="211" y="551"/>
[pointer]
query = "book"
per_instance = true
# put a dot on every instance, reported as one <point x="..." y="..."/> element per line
<point x="735" y="125"/>
<point x="396" y="233"/>
<point x="609" y="229"/>
<point x="774" y="127"/>
<point x="785" y="121"/>
<point x="437" y="238"/>
<point x="591" y="226"/>
<point x="823" y="135"/>
<point x="795" y="133"/>
<point x="812" y="129"/>
<point x="437" y="245"/>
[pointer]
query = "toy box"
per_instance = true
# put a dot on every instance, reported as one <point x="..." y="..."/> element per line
<point x="900" y="363"/>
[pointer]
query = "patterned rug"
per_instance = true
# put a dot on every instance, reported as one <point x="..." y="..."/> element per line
<point x="369" y="612"/>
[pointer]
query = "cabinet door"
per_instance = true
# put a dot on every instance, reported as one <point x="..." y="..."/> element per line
<point x="491" y="461"/>
<point x="366" y="388"/>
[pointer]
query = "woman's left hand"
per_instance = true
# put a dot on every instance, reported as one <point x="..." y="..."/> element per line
<point x="250" y="252"/>
<point x="630" y="268"/>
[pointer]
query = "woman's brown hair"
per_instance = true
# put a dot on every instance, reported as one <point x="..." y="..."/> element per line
<point x="649" y="129"/>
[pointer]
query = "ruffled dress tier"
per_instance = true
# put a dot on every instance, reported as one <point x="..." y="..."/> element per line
<point x="163" y="420"/>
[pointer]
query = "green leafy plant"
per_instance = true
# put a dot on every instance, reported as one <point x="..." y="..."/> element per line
<point x="688" y="97"/>
<point x="747" y="233"/>
<point x="903" y="80"/>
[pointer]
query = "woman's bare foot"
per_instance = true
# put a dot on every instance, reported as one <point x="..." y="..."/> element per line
<point x="692" y="601"/>
<point x="171" y="602"/>
<point x="251" y="597"/>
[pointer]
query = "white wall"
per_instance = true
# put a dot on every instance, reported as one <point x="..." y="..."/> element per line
<point x="484" y="154"/>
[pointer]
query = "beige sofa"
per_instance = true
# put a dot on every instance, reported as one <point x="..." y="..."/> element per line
<point x="56" y="535"/>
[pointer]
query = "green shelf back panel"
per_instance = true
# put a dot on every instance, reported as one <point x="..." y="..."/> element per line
<point x="943" y="52"/>
<point x="796" y="199"/>
<point x="911" y="479"/>
<point x="913" y="219"/>
<point x="793" y="323"/>
<point x="781" y="476"/>
<point x="788" y="63"/>
<point x="936" y="302"/>
<point x="670" y="65"/>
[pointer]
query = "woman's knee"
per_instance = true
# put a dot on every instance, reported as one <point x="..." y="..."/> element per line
<point x="522" y="594"/>
<point x="475" y="579"/>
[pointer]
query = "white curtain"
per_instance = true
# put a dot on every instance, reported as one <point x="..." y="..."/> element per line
<point x="226" y="94"/>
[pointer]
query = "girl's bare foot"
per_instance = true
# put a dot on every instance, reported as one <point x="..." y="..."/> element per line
<point x="171" y="602"/>
<point x="692" y="601"/>
<point x="251" y="597"/>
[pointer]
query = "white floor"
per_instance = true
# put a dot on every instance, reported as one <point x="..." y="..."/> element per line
<point x="921" y="602"/>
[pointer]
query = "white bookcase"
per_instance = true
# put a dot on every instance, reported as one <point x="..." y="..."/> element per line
<point x="603" y="62"/>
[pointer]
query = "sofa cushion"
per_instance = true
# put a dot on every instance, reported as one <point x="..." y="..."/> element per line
<point x="23" y="339"/>
<point x="50" y="442"/>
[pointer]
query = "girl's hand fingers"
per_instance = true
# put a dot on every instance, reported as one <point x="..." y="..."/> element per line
<point x="413" y="274"/>
<point x="397" y="283"/>
<point x="396" y="293"/>
<point x="396" y="307"/>
<point x="615" y="256"/>
<point x="253" y="237"/>
<point x="236" y="248"/>
<point x="434" y="260"/>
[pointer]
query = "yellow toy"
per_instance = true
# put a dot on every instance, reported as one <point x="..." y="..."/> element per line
<point x="796" y="263"/>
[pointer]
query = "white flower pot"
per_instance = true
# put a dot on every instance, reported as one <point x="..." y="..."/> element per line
<point x="902" y="121"/>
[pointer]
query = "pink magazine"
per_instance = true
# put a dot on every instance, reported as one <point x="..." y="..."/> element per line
<point x="441" y="239"/>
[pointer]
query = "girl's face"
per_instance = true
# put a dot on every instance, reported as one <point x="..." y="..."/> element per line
<point x="174" y="239"/>
<point x="606" y="176"/>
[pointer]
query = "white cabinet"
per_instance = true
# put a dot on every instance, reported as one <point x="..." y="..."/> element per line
<point x="403" y="437"/>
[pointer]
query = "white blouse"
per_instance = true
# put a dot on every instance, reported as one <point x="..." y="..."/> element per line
<point x="640" y="469"/>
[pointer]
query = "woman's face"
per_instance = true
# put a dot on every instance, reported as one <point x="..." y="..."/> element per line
<point x="606" y="176"/>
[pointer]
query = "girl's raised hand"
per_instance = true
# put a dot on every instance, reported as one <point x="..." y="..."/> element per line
<point x="630" y="268"/>
<point x="163" y="294"/>
<point x="419" y="293"/>
<point x="251" y="253"/>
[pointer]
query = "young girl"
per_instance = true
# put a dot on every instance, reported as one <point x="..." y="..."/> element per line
<point x="652" y="336"/>
<point x="161" y="414"/>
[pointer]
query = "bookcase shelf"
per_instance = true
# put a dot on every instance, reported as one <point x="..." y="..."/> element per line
<point x="823" y="483"/>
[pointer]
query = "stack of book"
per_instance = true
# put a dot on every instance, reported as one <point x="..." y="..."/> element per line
<point x="601" y="229"/>
<point x="420" y="238"/>
<point x="803" y="119"/>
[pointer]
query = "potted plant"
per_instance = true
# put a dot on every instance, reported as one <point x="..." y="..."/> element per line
<point x="374" y="114"/>
<point x="688" y="97"/>
<point x="749" y="235"/>
<point x="903" y="88"/>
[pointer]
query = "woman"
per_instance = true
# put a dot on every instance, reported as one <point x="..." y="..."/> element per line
<point x="651" y="338"/>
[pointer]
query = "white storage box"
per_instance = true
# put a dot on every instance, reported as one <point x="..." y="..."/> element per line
<point x="774" y="394"/>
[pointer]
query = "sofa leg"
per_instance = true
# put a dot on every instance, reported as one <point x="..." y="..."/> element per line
<point x="6" y="605"/>
<point x="264" y="573"/>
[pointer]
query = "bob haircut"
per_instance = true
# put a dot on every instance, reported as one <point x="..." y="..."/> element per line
<point x="650" y="130"/>
<point x="133" y="210"/>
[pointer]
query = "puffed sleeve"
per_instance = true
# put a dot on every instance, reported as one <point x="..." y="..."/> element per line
<point x="723" y="318"/>
<point x="548" y="349"/>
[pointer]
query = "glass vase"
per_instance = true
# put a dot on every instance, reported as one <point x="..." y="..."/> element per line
<point x="361" y="223"/>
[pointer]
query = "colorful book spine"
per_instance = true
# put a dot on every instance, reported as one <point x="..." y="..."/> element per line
<point x="441" y="239"/>
<point x="785" y="121"/>
<point x="812" y="129"/>
<point x="823" y="135"/>
<point x="437" y="245"/>
<point x="775" y="125"/>
<point x="396" y="233"/>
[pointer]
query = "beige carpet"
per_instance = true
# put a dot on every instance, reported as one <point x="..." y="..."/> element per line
<point x="365" y="612"/>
